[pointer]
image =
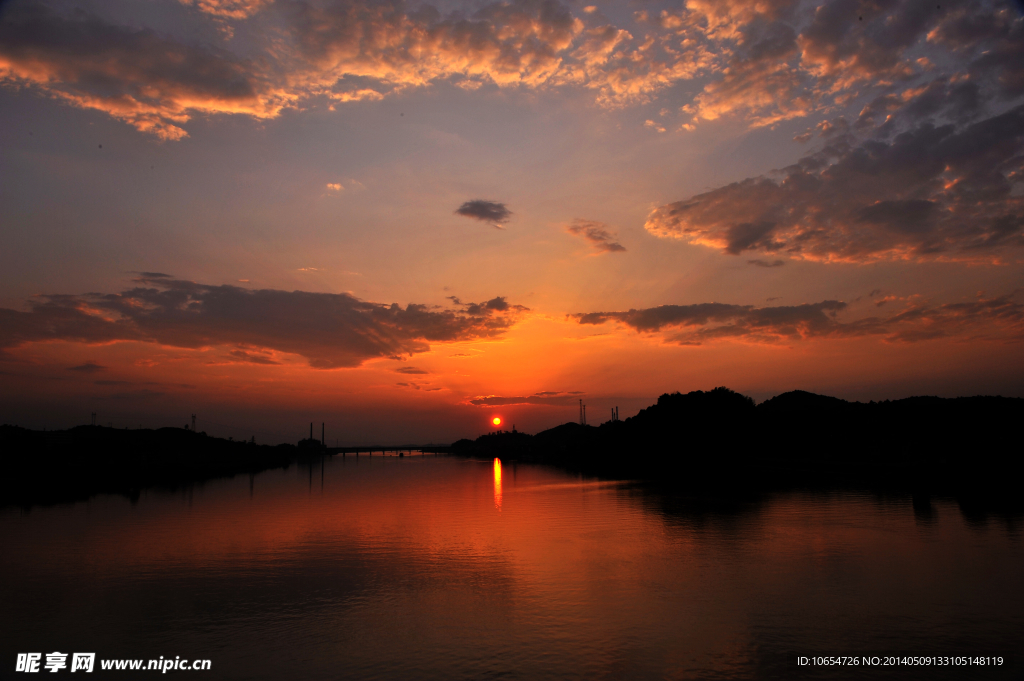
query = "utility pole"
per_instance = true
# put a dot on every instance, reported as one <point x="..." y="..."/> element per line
<point x="94" y="418"/>
<point x="193" y="423"/>
<point x="584" y="414"/>
<point x="323" y="440"/>
<point x="581" y="411"/>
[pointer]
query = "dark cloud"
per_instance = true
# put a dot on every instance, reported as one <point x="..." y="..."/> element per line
<point x="932" y="192"/>
<point x="498" y="304"/>
<point x="251" y="357"/>
<point x="59" y="317"/>
<point x="991" y="37"/>
<point x="781" y="60"/>
<point x="931" y="167"/>
<point x="597" y="233"/>
<point x="720" y="320"/>
<point x="134" y="74"/>
<point x="485" y="211"/>
<point x="88" y="368"/>
<point x="846" y="43"/>
<point x="765" y="263"/>
<point x="187" y="386"/>
<point x="141" y="394"/>
<point x="410" y="370"/>
<point x="546" y="398"/>
<point x="328" y="329"/>
<point x="957" y="100"/>
<point x="1000" y="318"/>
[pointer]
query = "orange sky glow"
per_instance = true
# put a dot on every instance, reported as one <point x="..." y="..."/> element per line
<point x="216" y="208"/>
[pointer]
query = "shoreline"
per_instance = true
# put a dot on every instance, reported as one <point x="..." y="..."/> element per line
<point x="710" y="443"/>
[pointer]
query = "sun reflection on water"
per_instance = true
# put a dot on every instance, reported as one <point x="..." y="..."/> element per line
<point x="497" y="483"/>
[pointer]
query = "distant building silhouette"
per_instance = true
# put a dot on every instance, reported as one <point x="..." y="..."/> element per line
<point x="310" y="444"/>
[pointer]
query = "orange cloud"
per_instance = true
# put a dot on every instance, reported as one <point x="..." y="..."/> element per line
<point x="228" y="9"/>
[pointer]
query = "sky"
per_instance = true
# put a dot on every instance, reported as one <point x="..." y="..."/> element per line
<point x="403" y="219"/>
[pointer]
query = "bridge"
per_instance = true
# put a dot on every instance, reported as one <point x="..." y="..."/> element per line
<point x="395" y="450"/>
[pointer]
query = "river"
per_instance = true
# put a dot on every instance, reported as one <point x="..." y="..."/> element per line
<point x="429" y="567"/>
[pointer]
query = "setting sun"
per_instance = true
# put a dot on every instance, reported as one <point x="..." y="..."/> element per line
<point x="496" y="420"/>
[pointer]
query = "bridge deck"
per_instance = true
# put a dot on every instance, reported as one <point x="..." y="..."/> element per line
<point x="397" y="449"/>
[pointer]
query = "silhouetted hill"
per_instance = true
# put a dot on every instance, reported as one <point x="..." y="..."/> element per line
<point x="720" y="438"/>
<point x="74" y="464"/>
<point x="802" y="401"/>
<point x="690" y="428"/>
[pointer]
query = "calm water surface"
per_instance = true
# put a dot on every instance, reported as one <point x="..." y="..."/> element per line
<point x="434" y="567"/>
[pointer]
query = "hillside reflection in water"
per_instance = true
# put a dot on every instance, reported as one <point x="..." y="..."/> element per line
<point x="427" y="567"/>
